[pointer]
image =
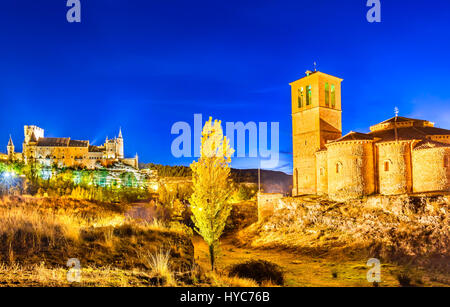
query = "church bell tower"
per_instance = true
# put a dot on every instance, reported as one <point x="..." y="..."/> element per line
<point x="316" y="119"/>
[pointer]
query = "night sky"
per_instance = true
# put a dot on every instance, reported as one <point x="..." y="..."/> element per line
<point x="144" y="65"/>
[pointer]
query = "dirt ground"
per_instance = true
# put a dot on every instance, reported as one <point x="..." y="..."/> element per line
<point x="307" y="271"/>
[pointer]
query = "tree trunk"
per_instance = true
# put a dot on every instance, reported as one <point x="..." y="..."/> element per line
<point x="212" y="256"/>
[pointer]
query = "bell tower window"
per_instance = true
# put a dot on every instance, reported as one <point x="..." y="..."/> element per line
<point x="308" y="95"/>
<point x="300" y="97"/>
<point x="333" y="96"/>
<point x="327" y="94"/>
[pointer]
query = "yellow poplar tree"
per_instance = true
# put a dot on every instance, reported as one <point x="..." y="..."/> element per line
<point x="211" y="186"/>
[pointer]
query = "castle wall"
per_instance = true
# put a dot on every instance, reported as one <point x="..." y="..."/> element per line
<point x="431" y="171"/>
<point x="394" y="167"/>
<point x="322" y="172"/>
<point x="350" y="169"/>
<point x="62" y="156"/>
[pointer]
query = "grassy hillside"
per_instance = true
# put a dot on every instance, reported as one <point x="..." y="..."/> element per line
<point x="38" y="234"/>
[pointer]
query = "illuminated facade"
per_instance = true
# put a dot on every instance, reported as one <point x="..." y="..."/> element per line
<point x="398" y="156"/>
<point x="65" y="152"/>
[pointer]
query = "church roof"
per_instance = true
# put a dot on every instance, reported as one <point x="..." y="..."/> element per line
<point x="427" y="144"/>
<point x="354" y="136"/>
<point x="408" y="133"/>
<point x="10" y="142"/>
<point x="401" y="119"/>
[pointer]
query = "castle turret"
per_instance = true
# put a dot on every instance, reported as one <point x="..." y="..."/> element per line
<point x="119" y="148"/>
<point x="10" y="149"/>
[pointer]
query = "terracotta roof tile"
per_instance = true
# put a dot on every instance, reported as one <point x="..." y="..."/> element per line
<point x="408" y="133"/>
<point x="354" y="136"/>
<point x="427" y="144"/>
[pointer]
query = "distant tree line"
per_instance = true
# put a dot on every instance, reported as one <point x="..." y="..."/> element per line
<point x="238" y="175"/>
<point x="169" y="171"/>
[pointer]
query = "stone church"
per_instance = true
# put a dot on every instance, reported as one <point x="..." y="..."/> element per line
<point x="398" y="156"/>
<point x="65" y="152"/>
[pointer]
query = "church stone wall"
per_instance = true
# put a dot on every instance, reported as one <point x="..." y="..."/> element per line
<point x="431" y="169"/>
<point x="394" y="167"/>
<point x="350" y="169"/>
<point x="306" y="143"/>
<point x="322" y="172"/>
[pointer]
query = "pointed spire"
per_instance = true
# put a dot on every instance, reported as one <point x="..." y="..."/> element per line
<point x="33" y="138"/>
<point x="10" y="143"/>
<point x="120" y="133"/>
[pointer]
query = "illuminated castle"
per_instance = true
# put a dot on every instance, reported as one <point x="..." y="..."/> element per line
<point x="400" y="155"/>
<point x="65" y="152"/>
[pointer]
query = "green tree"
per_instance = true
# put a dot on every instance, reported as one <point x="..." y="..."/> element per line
<point x="212" y="187"/>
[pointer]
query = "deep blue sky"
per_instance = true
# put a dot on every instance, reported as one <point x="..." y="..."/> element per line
<point x="144" y="65"/>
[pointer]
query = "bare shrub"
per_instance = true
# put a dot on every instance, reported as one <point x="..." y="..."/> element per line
<point x="258" y="270"/>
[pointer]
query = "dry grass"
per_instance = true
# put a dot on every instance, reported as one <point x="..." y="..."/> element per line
<point x="221" y="279"/>
<point x="38" y="236"/>
<point x="159" y="264"/>
<point x="40" y="275"/>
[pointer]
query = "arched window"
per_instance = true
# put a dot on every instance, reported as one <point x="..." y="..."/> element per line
<point x="308" y="95"/>
<point x="300" y="97"/>
<point x="322" y="171"/>
<point x="333" y="96"/>
<point x="446" y="161"/>
<point x="387" y="165"/>
<point x="338" y="168"/>
<point x="327" y="94"/>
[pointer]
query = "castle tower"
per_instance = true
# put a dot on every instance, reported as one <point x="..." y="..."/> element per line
<point x="316" y="119"/>
<point x="32" y="136"/>
<point x="10" y="149"/>
<point x="119" y="148"/>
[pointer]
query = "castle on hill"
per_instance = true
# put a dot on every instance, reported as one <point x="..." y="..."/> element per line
<point x="398" y="156"/>
<point x="65" y="152"/>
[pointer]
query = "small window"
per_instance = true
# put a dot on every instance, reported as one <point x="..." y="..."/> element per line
<point x="446" y="161"/>
<point x="327" y="94"/>
<point x="308" y="95"/>
<point x="333" y="96"/>
<point x="338" y="168"/>
<point x="322" y="171"/>
<point x="387" y="166"/>
<point x="300" y="97"/>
